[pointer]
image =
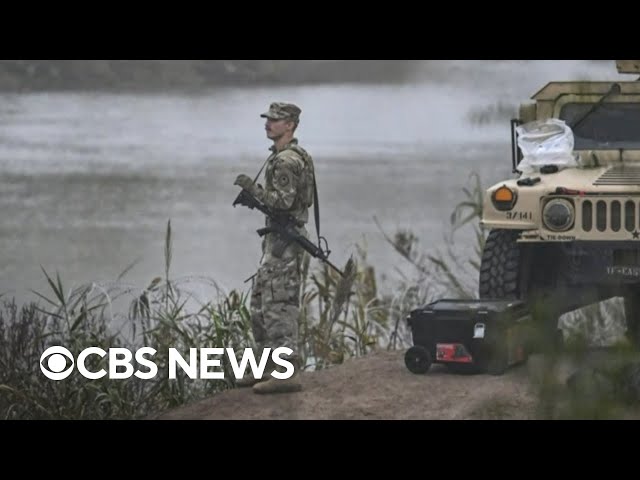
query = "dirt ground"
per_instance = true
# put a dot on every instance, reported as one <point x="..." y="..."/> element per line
<point x="379" y="386"/>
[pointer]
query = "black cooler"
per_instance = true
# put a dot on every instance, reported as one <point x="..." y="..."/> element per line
<point x="469" y="336"/>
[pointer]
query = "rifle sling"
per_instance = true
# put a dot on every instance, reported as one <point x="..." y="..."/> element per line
<point x="316" y="208"/>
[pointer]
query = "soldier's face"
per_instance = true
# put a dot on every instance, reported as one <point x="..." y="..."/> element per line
<point x="277" y="128"/>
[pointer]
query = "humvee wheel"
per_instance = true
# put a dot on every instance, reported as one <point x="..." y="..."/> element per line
<point x="418" y="360"/>
<point x="500" y="266"/>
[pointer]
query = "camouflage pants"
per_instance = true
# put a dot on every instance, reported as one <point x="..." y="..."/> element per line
<point x="275" y="304"/>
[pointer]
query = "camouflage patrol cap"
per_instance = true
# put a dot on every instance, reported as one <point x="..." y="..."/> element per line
<point x="281" y="110"/>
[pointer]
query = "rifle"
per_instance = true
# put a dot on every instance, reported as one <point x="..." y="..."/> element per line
<point x="283" y="224"/>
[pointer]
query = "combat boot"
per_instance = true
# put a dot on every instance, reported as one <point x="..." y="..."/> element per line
<point x="287" y="385"/>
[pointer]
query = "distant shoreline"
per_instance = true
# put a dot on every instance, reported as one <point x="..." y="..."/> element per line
<point x="31" y="76"/>
<point x="201" y="76"/>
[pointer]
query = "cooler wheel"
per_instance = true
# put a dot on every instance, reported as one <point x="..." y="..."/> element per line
<point x="418" y="360"/>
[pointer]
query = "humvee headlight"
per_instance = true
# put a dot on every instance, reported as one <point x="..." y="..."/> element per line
<point x="504" y="198"/>
<point x="558" y="215"/>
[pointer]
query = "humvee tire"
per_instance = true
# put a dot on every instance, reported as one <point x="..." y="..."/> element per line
<point x="501" y="266"/>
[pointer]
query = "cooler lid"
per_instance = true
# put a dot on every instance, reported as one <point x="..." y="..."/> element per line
<point x="487" y="305"/>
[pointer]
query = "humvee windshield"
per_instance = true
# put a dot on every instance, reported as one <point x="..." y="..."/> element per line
<point x="608" y="126"/>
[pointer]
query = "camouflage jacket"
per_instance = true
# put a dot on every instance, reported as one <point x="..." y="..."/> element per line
<point x="289" y="177"/>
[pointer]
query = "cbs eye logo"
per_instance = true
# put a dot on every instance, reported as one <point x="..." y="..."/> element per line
<point x="56" y="364"/>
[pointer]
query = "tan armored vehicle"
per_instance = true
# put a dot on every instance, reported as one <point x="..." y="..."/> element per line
<point x="565" y="232"/>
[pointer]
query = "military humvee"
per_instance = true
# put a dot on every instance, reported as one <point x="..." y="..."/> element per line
<point x="568" y="237"/>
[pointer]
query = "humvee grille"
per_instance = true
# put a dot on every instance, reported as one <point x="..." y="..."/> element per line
<point x="620" y="175"/>
<point x="610" y="215"/>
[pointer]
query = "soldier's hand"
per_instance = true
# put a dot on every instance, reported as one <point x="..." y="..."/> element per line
<point x="244" y="181"/>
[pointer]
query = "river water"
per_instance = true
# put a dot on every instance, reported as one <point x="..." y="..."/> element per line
<point x="88" y="181"/>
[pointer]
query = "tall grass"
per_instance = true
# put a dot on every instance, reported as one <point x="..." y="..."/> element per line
<point x="350" y="317"/>
<point x="84" y="317"/>
<point x="340" y="318"/>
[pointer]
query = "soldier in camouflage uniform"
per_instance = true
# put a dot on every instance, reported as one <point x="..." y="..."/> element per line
<point x="275" y="299"/>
